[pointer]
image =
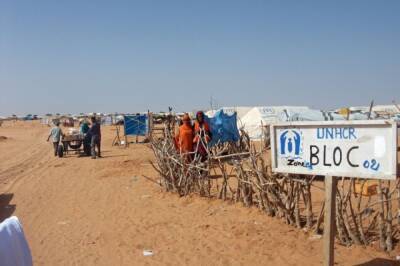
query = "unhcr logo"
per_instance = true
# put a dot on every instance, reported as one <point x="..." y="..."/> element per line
<point x="290" y="143"/>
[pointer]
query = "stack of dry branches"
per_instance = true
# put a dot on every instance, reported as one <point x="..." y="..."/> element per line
<point x="364" y="219"/>
<point x="181" y="173"/>
<point x="278" y="195"/>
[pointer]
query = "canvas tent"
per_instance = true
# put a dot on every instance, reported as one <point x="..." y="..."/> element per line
<point x="46" y="120"/>
<point x="378" y="112"/>
<point x="107" y="120"/>
<point x="360" y="116"/>
<point x="223" y="127"/>
<point x="257" y="118"/>
<point x="240" y="111"/>
<point x="386" y="111"/>
<point x="314" y="115"/>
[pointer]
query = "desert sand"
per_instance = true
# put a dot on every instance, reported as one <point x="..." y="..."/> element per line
<point x="79" y="211"/>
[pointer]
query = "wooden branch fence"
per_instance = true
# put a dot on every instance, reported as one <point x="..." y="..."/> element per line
<point x="240" y="172"/>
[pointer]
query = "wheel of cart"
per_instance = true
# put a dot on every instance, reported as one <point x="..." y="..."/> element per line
<point x="71" y="143"/>
<point x="75" y="144"/>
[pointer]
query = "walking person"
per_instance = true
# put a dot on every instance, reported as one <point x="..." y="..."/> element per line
<point x="95" y="134"/>
<point x="55" y="134"/>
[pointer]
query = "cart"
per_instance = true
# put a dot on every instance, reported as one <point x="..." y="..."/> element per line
<point x="75" y="142"/>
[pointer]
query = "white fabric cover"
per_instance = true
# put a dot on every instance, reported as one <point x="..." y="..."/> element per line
<point x="14" y="249"/>
<point x="258" y="117"/>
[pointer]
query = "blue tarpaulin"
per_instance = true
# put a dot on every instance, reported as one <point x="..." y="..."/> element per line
<point x="136" y="125"/>
<point x="223" y="127"/>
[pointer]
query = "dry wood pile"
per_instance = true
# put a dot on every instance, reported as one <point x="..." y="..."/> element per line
<point x="362" y="219"/>
<point x="239" y="172"/>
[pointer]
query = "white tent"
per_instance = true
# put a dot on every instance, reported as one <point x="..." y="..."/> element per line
<point x="240" y="111"/>
<point x="258" y="117"/>
<point x="386" y="111"/>
<point x="378" y="112"/>
<point x="107" y="120"/>
<point x="359" y="109"/>
<point x="314" y="115"/>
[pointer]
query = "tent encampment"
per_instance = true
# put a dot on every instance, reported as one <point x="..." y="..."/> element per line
<point x="314" y="115"/>
<point x="255" y="121"/>
<point x="386" y="111"/>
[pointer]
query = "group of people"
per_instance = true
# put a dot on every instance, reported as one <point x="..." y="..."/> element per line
<point x="92" y="134"/>
<point x="193" y="139"/>
<point x="190" y="139"/>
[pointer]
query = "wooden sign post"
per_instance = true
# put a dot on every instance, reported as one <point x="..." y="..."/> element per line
<point x="359" y="149"/>
<point x="329" y="220"/>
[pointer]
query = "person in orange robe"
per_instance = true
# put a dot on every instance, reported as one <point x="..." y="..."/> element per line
<point x="202" y="135"/>
<point x="184" y="138"/>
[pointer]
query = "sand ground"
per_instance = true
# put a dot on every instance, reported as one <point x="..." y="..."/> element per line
<point x="79" y="211"/>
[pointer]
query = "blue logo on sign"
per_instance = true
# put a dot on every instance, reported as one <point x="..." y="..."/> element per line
<point x="290" y="143"/>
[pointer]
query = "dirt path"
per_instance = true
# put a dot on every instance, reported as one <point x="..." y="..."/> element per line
<point x="79" y="211"/>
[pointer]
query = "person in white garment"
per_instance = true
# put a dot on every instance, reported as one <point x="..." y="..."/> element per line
<point x="14" y="249"/>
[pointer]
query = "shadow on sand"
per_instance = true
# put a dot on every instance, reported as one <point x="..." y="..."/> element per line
<point x="6" y="210"/>
<point x="380" y="262"/>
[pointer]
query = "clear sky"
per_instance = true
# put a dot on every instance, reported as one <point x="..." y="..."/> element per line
<point x="128" y="56"/>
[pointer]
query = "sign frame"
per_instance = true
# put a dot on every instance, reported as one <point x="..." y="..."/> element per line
<point x="331" y="180"/>
<point x="311" y="124"/>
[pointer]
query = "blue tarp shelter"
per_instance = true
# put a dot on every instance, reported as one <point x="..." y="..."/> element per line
<point x="136" y="125"/>
<point x="223" y="127"/>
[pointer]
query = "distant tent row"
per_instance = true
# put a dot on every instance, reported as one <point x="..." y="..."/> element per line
<point x="255" y="120"/>
<point x="108" y="120"/>
<point x="377" y="112"/>
<point x="70" y="120"/>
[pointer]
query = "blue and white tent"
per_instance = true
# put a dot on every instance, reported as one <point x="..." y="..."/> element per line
<point x="223" y="127"/>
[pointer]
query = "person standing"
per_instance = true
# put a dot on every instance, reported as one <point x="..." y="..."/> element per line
<point x="14" y="248"/>
<point x="55" y="134"/>
<point x="95" y="134"/>
<point x="84" y="127"/>
<point x="202" y="135"/>
<point x="184" y="138"/>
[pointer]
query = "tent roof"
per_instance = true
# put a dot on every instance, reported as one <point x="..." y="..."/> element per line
<point x="240" y="110"/>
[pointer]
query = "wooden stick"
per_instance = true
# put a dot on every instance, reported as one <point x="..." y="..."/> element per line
<point x="329" y="220"/>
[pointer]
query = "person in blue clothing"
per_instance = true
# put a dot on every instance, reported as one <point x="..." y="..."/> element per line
<point x="95" y="134"/>
<point x="55" y="134"/>
<point x="84" y="127"/>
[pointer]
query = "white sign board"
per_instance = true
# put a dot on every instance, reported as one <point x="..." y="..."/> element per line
<point x="364" y="149"/>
